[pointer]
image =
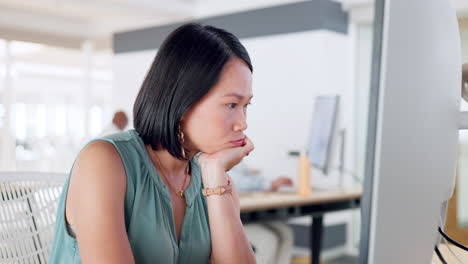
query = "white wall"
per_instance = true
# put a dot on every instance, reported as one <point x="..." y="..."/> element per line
<point x="129" y="71"/>
<point x="289" y="71"/>
<point x="362" y="48"/>
<point x="363" y="53"/>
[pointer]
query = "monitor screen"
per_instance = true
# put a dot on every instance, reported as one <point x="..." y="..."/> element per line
<point x="412" y="131"/>
<point x="322" y="131"/>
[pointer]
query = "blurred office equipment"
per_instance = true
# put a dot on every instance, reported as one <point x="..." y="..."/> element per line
<point x="324" y="135"/>
<point x="323" y="131"/>
<point x="412" y="130"/>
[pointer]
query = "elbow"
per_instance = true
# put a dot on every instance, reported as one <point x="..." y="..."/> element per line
<point x="247" y="259"/>
<point x="249" y="256"/>
<point x="252" y="259"/>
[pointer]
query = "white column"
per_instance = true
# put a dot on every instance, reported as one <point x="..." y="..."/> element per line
<point x="87" y="49"/>
<point x="8" y="159"/>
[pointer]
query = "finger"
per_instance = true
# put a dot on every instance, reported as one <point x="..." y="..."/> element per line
<point x="286" y="182"/>
<point x="249" y="146"/>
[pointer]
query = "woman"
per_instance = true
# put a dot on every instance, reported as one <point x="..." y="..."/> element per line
<point x="139" y="196"/>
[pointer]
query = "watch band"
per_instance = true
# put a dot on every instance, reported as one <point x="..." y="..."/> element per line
<point x="220" y="190"/>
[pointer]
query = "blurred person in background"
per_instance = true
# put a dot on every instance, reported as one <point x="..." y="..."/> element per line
<point x="119" y="123"/>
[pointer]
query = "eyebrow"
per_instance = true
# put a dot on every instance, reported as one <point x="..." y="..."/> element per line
<point x="237" y="95"/>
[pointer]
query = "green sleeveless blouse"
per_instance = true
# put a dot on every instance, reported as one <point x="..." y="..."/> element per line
<point x="149" y="217"/>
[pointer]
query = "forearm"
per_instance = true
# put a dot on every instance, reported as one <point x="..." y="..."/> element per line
<point x="228" y="239"/>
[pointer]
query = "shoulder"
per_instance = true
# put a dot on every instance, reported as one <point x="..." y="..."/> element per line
<point x="100" y="165"/>
<point x="97" y="154"/>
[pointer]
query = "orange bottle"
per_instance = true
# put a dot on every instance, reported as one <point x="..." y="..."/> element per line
<point x="303" y="175"/>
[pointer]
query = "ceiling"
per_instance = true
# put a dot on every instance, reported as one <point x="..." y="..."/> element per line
<point x="67" y="23"/>
<point x="71" y="23"/>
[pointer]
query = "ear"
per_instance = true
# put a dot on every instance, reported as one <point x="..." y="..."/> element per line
<point x="182" y="120"/>
<point x="181" y="123"/>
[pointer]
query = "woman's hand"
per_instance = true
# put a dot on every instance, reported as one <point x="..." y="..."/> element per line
<point x="220" y="162"/>
<point x="281" y="181"/>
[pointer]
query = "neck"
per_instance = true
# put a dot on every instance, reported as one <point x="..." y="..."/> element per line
<point x="170" y="165"/>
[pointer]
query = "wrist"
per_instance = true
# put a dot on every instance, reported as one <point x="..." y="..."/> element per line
<point x="213" y="176"/>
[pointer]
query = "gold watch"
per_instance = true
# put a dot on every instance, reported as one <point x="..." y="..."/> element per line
<point x="220" y="190"/>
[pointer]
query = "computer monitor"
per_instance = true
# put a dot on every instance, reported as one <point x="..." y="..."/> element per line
<point x="323" y="131"/>
<point x="412" y="129"/>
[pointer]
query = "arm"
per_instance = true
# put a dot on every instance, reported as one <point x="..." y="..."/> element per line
<point x="228" y="239"/>
<point x="95" y="205"/>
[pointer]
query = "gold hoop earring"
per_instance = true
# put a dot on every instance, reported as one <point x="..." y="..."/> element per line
<point x="181" y="141"/>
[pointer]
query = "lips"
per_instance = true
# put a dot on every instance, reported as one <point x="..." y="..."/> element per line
<point x="238" y="142"/>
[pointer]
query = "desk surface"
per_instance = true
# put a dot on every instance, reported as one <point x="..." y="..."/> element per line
<point x="270" y="200"/>
<point x="267" y="206"/>
<point x="460" y="253"/>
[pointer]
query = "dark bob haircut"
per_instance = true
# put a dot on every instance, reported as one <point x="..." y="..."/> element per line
<point x="187" y="65"/>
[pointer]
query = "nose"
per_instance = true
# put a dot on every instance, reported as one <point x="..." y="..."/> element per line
<point x="241" y="122"/>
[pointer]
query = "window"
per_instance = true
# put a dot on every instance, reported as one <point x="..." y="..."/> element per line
<point x="55" y="107"/>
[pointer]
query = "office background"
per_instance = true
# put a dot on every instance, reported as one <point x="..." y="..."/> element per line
<point x="66" y="66"/>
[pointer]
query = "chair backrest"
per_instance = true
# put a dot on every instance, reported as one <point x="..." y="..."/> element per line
<point x="28" y="208"/>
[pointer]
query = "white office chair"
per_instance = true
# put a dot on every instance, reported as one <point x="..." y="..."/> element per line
<point x="28" y="207"/>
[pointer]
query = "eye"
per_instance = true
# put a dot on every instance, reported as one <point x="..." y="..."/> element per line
<point x="245" y="106"/>
<point x="232" y="105"/>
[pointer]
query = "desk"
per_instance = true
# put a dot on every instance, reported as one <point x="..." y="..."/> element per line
<point x="449" y="258"/>
<point x="267" y="206"/>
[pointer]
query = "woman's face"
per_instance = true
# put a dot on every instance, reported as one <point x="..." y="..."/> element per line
<point x="220" y="117"/>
